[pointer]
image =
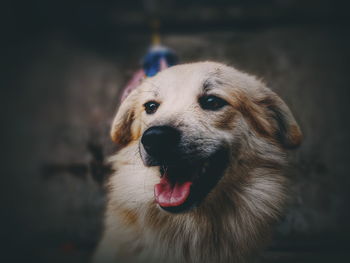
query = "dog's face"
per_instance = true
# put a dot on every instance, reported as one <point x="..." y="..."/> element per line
<point x="194" y="121"/>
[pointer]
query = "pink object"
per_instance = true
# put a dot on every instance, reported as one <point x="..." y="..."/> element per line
<point x="132" y="84"/>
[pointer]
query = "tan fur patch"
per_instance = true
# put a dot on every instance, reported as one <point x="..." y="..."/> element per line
<point x="226" y="120"/>
<point x="295" y="136"/>
<point x="120" y="136"/>
<point x="128" y="216"/>
<point x="254" y="114"/>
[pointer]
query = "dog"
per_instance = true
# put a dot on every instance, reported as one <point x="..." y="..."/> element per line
<point x="198" y="177"/>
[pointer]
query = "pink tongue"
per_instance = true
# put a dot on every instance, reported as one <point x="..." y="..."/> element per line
<point x="169" y="194"/>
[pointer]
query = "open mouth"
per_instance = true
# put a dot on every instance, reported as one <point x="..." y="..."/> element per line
<point x="184" y="186"/>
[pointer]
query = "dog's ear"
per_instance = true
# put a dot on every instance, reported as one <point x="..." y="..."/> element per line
<point x="284" y="126"/>
<point x="126" y="126"/>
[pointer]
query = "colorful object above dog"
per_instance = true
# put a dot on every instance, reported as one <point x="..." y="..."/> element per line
<point x="157" y="59"/>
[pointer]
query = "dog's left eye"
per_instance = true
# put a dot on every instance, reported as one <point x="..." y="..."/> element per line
<point x="151" y="107"/>
<point x="211" y="102"/>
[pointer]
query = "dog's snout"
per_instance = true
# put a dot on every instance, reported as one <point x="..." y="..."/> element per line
<point x="159" y="141"/>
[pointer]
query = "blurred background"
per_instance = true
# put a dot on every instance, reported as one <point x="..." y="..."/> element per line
<point x="63" y="64"/>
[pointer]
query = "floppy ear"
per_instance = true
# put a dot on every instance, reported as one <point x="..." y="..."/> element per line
<point x="126" y="127"/>
<point x="286" y="130"/>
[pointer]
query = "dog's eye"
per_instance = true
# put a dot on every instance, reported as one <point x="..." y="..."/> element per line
<point x="151" y="107"/>
<point x="211" y="102"/>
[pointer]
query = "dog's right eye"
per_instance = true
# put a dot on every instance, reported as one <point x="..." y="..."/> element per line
<point x="151" y="107"/>
<point x="211" y="102"/>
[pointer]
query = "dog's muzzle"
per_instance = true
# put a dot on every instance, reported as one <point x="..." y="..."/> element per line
<point x="161" y="143"/>
<point x="185" y="179"/>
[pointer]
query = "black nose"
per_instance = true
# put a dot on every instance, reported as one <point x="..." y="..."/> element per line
<point x="160" y="141"/>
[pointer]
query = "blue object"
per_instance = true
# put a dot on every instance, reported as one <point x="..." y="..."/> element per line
<point x="155" y="56"/>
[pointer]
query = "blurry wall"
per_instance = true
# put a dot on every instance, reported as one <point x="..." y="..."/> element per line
<point x="64" y="64"/>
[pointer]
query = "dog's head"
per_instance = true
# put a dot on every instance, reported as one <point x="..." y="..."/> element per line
<point x="194" y="121"/>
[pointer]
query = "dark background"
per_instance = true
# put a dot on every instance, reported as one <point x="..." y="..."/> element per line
<point x="64" y="62"/>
